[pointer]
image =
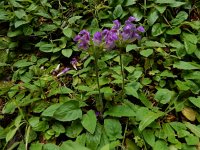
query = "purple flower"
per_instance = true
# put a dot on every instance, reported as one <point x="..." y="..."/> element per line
<point x="83" y="39"/>
<point x="97" y="39"/>
<point x="117" y="24"/>
<point x="110" y="38"/>
<point x="63" y="71"/>
<point x="74" y="63"/>
<point x="141" y="29"/>
<point x="130" y="19"/>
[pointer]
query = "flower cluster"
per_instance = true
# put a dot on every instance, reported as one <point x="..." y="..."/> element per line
<point x="108" y="38"/>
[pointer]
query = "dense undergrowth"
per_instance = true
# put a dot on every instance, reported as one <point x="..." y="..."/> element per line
<point x="149" y="88"/>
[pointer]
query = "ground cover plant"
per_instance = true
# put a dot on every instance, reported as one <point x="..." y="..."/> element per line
<point x="99" y="75"/>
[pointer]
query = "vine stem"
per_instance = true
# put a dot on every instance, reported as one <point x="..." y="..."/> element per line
<point x="99" y="102"/>
<point x="122" y="73"/>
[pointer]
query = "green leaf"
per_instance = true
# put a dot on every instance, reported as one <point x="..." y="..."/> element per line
<point x="129" y="2"/>
<point x="195" y="101"/>
<point x="186" y="65"/>
<point x="153" y="44"/>
<point x="50" y="146"/>
<point x="193" y="128"/>
<point x="174" y="31"/>
<point x="181" y="16"/>
<point x="11" y="134"/>
<point x="89" y="121"/>
<point x="163" y="96"/>
<point x="152" y="16"/>
<point x="68" y="111"/>
<point x="113" y="129"/>
<point x="118" y="11"/>
<point x="67" y="32"/>
<point x="192" y="140"/>
<point x="73" y="19"/>
<point x="50" y="110"/>
<point x="59" y="90"/>
<point x="93" y="140"/>
<point x="146" y="53"/>
<point x="120" y="111"/>
<point x="70" y="145"/>
<point x="75" y="129"/>
<point x="148" y="118"/>
<point x="22" y="63"/>
<point x="160" y="145"/>
<point x="36" y="146"/>
<point x="158" y="29"/>
<point x="131" y="47"/>
<point x="67" y="52"/>
<point x="165" y="2"/>
<point x="20" y="13"/>
<point x="149" y="136"/>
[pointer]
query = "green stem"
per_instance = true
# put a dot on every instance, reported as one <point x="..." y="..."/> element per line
<point x="99" y="102"/>
<point x="122" y="73"/>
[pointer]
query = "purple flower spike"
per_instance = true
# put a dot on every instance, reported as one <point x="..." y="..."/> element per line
<point x="117" y="24"/>
<point x="63" y="71"/>
<point x="83" y="39"/>
<point x="74" y="63"/>
<point x="141" y="29"/>
<point x="97" y="38"/>
<point x="131" y="18"/>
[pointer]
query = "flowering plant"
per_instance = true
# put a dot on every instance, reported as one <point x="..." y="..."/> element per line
<point x="109" y="39"/>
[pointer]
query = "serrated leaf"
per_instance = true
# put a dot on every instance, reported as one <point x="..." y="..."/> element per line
<point x="163" y="96"/>
<point x="152" y="16"/>
<point x="89" y="121"/>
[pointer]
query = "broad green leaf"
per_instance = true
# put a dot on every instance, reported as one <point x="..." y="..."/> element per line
<point x="165" y="2"/>
<point x="194" y="75"/>
<point x="192" y="140"/>
<point x="113" y="129"/>
<point x="170" y="133"/>
<point x="131" y="47"/>
<point x="174" y="31"/>
<point x="160" y="145"/>
<point x="67" y="32"/>
<point x="89" y="121"/>
<point x="153" y="44"/>
<point x="193" y="128"/>
<point x="74" y="130"/>
<point x="152" y="16"/>
<point x="22" y="63"/>
<point x="50" y="146"/>
<point x="20" y="13"/>
<point x="93" y="140"/>
<point x="118" y="11"/>
<point x="148" y="118"/>
<point x="149" y="136"/>
<point x="70" y="145"/>
<point x="41" y="126"/>
<point x="146" y="53"/>
<point x="195" y="101"/>
<point x="67" y="52"/>
<point x="120" y="111"/>
<point x="59" y="90"/>
<point x="73" y="19"/>
<point x="181" y="16"/>
<point x="163" y="96"/>
<point x="68" y="111"/>
<point x="48" y="27"/>
<point x="36" y="146"/>
<point x="129" y="2"/>
<point x="190" y="47"/>
<point x="11" y="134"/>
<point x="186" y="65"/>
<point x="158" y="29"/>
